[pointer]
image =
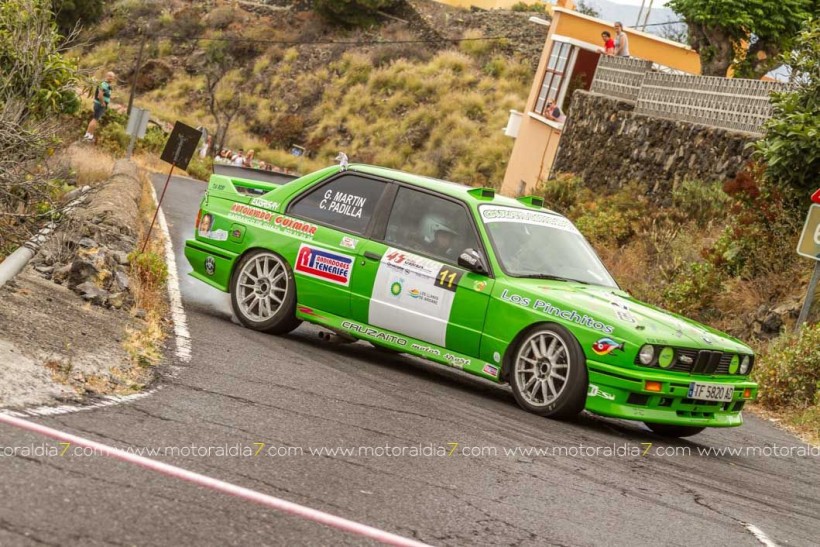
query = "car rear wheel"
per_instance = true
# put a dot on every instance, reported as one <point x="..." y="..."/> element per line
<point x="665" y="430"/>
<point x="549" y="374"/>
<point x="263" y="293"/>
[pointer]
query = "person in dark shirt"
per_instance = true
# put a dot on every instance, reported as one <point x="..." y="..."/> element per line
<point x="552" y="112"/>
<point x="102" y="98"/>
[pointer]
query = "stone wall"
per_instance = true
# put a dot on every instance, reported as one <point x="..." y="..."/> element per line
<point x="607" y="143"/>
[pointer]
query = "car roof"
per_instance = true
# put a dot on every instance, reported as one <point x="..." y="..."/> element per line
<point x="453" y="189"/>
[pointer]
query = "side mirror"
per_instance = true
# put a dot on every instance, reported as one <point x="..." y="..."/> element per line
<point x="470" y="259"/>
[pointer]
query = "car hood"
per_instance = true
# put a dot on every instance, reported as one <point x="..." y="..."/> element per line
<point x="631" y="319"/>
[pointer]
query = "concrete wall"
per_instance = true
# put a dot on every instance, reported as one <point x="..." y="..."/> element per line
<point x="607" y="142"/>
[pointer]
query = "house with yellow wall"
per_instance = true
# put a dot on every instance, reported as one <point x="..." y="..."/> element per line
<point x="568" y="62"/>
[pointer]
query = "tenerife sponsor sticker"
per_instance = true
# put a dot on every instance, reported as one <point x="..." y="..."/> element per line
<point x="498" y="213"/>
<point x="491" y="370"/>
<point x="324" y="264"/>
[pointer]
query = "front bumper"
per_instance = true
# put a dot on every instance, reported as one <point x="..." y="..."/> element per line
<point x="621" y="393"/>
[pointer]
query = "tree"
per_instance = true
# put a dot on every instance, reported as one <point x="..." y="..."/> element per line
<point x="352" y="12"/>
<point x="71" y="13"/>
<point x="791" y="146"/>
<point x="747" y="34"/>
<point x="36" y="82"/>
<point x="586" y="9"/>
<point x="222" y="88"/>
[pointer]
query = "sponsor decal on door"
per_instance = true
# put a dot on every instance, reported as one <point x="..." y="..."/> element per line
<point x="410" y="297"/>
<point x="324" y="264"/>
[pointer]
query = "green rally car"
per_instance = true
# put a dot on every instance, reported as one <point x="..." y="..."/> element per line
<point x="498" y="287"/>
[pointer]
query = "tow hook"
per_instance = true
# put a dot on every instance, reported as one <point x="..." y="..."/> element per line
<point x="336" y="338"/>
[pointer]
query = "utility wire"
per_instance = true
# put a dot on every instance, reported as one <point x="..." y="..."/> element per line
<point x="329" y="42"/>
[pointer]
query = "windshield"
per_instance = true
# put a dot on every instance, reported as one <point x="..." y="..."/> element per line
<point x="542" y="245"/>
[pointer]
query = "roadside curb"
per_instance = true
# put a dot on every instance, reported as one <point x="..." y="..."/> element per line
<point x="16" y="261"/>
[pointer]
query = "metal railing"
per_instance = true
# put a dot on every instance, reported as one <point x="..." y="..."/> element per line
<point x="728" y="103"/>
<point x="620" y="76"/>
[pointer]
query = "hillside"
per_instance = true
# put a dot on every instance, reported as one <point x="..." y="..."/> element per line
<point x="402" y="93"/>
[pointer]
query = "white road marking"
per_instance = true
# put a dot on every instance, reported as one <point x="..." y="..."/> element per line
<point x="183" y="336"/>
<point x="102" y="402"/>
<point x="760" y="535"/>
<point x="215" y="484"/>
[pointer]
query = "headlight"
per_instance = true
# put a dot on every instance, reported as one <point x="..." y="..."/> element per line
<point x="666" y="357"/>
<point x="745" y="364"/>
<point x="646" y="354"/>
<point x="734" y="364"/>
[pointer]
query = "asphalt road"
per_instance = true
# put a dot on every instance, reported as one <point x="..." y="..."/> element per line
<point x="242" y="387"/>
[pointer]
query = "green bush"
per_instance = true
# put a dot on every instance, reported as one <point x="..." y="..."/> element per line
<point x="791" y="148"/>
<point x="149" y="268"/>
<point x="700" y="201"/>
<point x="694" y="289"/>
<point x="352" y="12"/>
<point x="201" y="168"/>
<point x="523" y="6"/>
<point x="789" y="371"/>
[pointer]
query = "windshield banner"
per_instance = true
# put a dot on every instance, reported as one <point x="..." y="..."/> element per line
<point x="495" y="213"/>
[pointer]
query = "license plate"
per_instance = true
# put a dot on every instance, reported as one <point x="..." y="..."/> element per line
<point x="710" y="392"/>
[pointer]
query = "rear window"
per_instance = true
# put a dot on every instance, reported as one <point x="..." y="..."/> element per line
<point x="346" y="203"/>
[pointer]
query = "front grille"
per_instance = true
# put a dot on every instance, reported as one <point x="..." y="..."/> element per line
<point x="700" y="361"/>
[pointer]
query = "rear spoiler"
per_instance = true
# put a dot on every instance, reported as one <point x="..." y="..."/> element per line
<point x="247" y="173"/>
<point x="233" y="181"/>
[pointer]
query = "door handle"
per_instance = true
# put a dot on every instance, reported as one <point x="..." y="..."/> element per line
<point x="372" y="256"/>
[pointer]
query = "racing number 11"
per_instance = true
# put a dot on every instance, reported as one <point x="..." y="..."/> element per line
<point x="448" y="278"/>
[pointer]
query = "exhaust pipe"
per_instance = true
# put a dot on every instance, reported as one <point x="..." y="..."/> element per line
<point x="336" y="338"/>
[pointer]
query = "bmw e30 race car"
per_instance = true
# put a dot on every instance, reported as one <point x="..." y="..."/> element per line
<point x="498" y="287"/>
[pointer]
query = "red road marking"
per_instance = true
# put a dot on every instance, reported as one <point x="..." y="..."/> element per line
<point x="220" y="486"/>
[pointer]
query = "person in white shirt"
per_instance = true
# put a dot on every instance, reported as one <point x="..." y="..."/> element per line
<point x="239" y="158"/>
<point x="621" y="41"/>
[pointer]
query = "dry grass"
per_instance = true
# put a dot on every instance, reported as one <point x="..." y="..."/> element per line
<point x="148" y="282"/>
<point x="89" y="164"/>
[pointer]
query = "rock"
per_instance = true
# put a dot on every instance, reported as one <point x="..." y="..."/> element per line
<point x="92" y="293"/>
<point x="44" y="269"/>
<point x="116" y="300"/>
<point x="771" y="324"/>
<point x="140" y="314"/>
<point x="87" y="243"/>
<point x="61" y="273"/>
<point x="120" y="257"/>
<point x="121" y="282"/>
<point x="80" y="272"/>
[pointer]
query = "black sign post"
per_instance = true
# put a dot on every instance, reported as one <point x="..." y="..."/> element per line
<point x="178" y="151"/>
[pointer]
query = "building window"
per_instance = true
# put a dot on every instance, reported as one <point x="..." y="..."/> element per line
<point x="554" y="74"/>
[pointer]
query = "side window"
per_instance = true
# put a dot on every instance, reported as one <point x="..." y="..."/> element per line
<point x="429" y="225"/>
<point x="346" y="203"/>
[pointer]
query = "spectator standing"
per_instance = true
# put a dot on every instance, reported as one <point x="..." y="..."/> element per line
<point x="621" y="41"/>
<point x="239" y="158"/>
<point x="609" y="44"/>
<point x="249" y="158"/>
<point x="102" y="98"/>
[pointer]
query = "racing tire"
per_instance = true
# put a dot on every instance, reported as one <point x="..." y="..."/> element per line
<point x="676" y="431"/>
<point x="548" y="372"/>
<point x="263" y="293"/>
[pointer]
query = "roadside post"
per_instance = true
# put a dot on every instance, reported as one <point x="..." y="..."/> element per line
<point x="178" y="152"/>
<point x="809" y="246"/>
<point x="136" y="128"/>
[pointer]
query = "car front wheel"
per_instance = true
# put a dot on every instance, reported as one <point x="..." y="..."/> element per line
<point x="549" y="374"/>
<point x="263" y="293"/>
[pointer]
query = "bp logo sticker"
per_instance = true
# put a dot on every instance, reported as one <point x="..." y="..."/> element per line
<point x="395" y="288"/>
<point x="210" y="265"/>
